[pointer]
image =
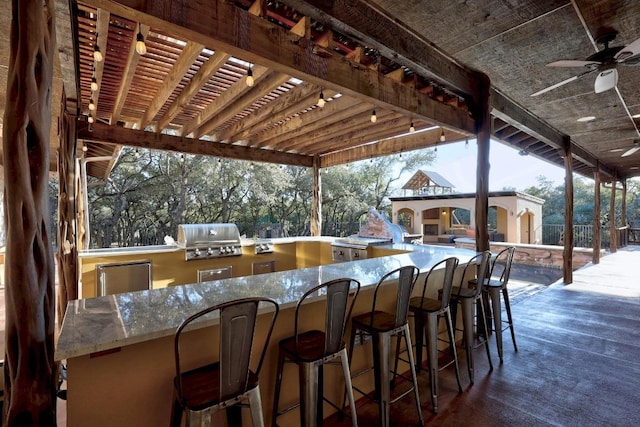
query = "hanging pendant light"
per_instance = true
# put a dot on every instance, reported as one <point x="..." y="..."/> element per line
<point x="141" y="47"/>
<point x="249" y="79"/>
<point x="412" y="128"/>
<point x="321" y="100"/>
<point x="97" y="55"/>
<point x="94" y="84"/>
<point x="92" y="105"/>
<point x="442" y="137"/>
<point x="90" y="119"/>
<point x="374" y="118"/>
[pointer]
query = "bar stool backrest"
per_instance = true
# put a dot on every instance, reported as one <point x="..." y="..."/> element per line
<point x="337" y="313"/>
<point x="407" y="276"/>
<point x="237" y="330"/>
<point x="480" y="263"/>
<point x="450" y="265"/>
<point x="504" y="260"/>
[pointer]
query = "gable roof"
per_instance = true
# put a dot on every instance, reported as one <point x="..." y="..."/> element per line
<point x="424" y="178"/>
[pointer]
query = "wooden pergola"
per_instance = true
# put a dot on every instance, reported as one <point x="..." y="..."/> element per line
<point x="189" y="94"/>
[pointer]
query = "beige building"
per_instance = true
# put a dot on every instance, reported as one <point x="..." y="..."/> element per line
<point x="435" y="211"/>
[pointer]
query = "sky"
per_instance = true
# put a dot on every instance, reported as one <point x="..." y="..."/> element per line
<point x="457" y="164"/>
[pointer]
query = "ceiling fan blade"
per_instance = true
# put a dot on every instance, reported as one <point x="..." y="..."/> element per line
<point x="628" y="51"/>
<point x="630" y="151"/>
<point x="572" y="63"/>
<point x="562" y="83"/>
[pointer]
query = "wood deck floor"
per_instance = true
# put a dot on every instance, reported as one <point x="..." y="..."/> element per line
<point x="578" y="360"/>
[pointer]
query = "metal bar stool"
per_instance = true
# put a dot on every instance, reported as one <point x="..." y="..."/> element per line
<point x="381" y="326"/>
<point x="312" y="349"/>
<point x="230" y="380"/>
<point x="427" y="311"/>
<point x="468" y="296"/>
<point x="494" y="285"/>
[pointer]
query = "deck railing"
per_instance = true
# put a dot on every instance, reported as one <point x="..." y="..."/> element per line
<point x="553" y="234"/>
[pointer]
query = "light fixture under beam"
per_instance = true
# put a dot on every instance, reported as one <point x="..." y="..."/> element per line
<point x="97" y="55"/>
<point x="442" y="137"/>
<point x="141" y="47"/>
<point x="249" y="81"/>
<point x="94" y="84"/>
<point x="321" y="100"/>
<point x="374" y="118"/>
<point x="412" y="128"/>
<point x="92" y="105"/>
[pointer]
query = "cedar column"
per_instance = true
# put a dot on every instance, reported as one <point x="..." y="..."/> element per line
<point x="483" y="130"/>
<point x="623" y="215"/>
<point x="568" y="213"/>
<point x="316" y="203"/>
<point x="67" y="225"/>
<point x="597" y="239"/>
<point x="613" y="239"/>
<point x="30" y="384"/>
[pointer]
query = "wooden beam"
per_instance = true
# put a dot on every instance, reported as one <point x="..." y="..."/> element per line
<point x="379" y="29"/>
<point x="204" y="74"/>
<point x="402" y="144"/>
<point x="287" y="104"/>
<point x="568" y="238"/>
<point x="482" y="169"/>
<point x="102" y="31"/>
<point x="65" y="45"/>
<point x="613" y="242"/>
<point x="258" y="41"/>
<point x="514" y="114"/>
<point x="264" y="87"/>
<point x="127" y="75"/>
<point x="225" y="99"/>
<point x="189" y="54"/>
<point x="597" y="237"/>
<point x="153" y="141"/>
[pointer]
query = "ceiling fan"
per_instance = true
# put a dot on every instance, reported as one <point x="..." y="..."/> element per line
<point x="604" y="62"/>
<point x="630" y="151"/>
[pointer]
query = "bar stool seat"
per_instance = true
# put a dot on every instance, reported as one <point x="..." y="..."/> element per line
<point x="426" y="312"/>
<point x="230" y="380"/>
<point x="381" y="326"/>
<point x="312" y="349"/>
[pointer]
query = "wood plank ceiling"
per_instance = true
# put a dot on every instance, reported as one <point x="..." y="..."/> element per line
<point x="410" y="61"/>
<point x="196" y="98"/>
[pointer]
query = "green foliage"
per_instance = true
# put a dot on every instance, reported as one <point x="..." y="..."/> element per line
<point x="149" y="194"/>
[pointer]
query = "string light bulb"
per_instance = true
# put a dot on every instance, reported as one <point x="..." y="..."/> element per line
<point x="321" y="100"/>
<point x="97" y="55"/>
<point x="412" y="128"/>
<point x="137" y="154"/>
<point x="92" y="105"/>
<point x="442" y="137"/>
<point x="374" y="118"/>
<point x="94" y="84"/>
<point x="84" y="148"/>
<point x="466" y="143"/>
<point x="181" y="158"/>
<point x="90" y="119"/>
<point x="249" y="79"/>
<point x="141" y="47"/>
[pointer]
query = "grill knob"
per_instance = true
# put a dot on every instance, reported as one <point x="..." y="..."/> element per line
<point x="196" y="252"/>
<point x="209" y="251"/>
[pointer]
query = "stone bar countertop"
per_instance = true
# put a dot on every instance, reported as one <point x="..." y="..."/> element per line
<point x="104" y="323"/>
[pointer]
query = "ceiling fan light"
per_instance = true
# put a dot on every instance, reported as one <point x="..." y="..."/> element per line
<point x="606" y="79"/>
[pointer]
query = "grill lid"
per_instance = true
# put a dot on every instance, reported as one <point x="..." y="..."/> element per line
<point x="207" y="235"/>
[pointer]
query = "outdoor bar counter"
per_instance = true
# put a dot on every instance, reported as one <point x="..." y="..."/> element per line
<point x="119" y="348"/>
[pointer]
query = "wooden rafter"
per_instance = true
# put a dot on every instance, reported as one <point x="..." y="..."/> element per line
<point x="127" y="77"/>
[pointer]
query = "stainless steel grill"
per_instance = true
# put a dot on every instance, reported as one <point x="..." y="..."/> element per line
<point x="206" y="241"/>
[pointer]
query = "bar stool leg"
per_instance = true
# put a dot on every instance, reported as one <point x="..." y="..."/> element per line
<point x="309" y="394"/>
<point x="419" y="329"/>
<point x="347" y="383"/>
<point x="255" y="404"/>
<point x="432" y="352"/>
<point x="467" y="326"/>
<point x="452" y="346"/>
<point x="507" y="306"/>
<point x="485" y="337"/>
<point x="276" y="397"/>
<point x="381" y="349"/>
<point x="494" y="293"/>
<point x="416" y="394"/>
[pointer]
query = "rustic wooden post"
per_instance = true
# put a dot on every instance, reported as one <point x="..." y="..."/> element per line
<point x="483" y="130"/>
<point x="67" y="225"/>
<point x="30" y="383"/>
<point x="613" y="239"/>
<point x="568" y="213"/>
<point x="597" y="238"/>
<point x="316" y="203"/>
